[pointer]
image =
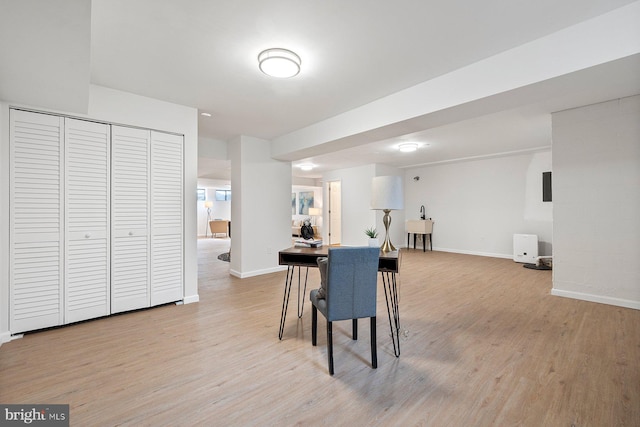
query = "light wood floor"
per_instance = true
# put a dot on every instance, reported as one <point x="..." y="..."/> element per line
<point x="486" y="345"/>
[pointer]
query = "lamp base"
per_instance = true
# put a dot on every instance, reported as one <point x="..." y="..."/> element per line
<point x="386" y="220"/>
<point x="387" y="246"/>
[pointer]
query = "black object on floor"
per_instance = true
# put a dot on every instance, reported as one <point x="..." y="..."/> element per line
<point x="537" y="267"/>
<point x="225" y="257"/>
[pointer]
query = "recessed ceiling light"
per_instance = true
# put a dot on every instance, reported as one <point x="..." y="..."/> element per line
<point x="279" y="62"/>
<point x="408" y="147"/>
<point x="306" y="166"/>
<point x="205" y="114"/>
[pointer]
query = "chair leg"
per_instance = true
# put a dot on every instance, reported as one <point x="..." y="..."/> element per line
<point x="330" y="346"/>
<point x="314" y="324"/>
<point x="374" y="351"/>
<point x="355" y="329"/>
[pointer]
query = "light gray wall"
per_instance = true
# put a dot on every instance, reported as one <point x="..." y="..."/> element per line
<point x="212" y="148"/>
<point x="478" y="205"/>
<point x="596" y="191"/>
<point x="357" y="215"/>
<point x="355" y="202"/>
<point x="260" y="207"/>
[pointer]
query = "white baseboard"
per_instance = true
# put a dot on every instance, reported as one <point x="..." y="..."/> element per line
<point x="191" y="299"/>
<point x="487" y="254"/>
<point x="5" y="337"/>
<point x="603" y="299"/>
<point x="257" y="272"/>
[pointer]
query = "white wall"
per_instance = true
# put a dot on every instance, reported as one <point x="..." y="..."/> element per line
<point x="596" y="191"/>
<point x="34" y="69"/>
<point x="355" y="202"/>
<point x="212" y="148"/>
<point x="357" y="215"/>
<point x="221" y="209"/>
<point x="478" y="205"/>
<point x="118" y="107"/>
<point x="260" y="207"/>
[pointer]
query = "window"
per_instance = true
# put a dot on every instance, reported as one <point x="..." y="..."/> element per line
<point x="202" y="195"/>
<point x="222" y="195"/>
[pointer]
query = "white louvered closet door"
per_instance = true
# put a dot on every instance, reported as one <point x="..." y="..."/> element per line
<point x="36" y="221"/>
<point x="166" y="218"/>
<point x="130" y="258"/>
<point x="87" y="283"/>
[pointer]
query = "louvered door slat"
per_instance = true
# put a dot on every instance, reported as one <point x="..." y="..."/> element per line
<point x="167" y="218"/>
<point x="36" y="231"/>
<point x="130" y="219"/>
<point x="87" y="278"/>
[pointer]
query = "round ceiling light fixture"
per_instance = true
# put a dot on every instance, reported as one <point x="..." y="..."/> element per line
<point x="306" y="166"/>
<point x="408" y="147"/>
<point x="278" y="62"/>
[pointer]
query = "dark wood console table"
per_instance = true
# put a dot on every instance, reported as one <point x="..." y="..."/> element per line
<point x="388" y="266"/>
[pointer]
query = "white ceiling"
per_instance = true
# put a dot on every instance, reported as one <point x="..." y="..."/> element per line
<point x="203" y="54"/>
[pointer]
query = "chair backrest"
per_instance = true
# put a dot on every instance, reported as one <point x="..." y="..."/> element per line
<point x="352" y="282"/>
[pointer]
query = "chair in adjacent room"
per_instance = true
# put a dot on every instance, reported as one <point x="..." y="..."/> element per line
<point x="348" y="291"/>
<point x="219" y="226"/>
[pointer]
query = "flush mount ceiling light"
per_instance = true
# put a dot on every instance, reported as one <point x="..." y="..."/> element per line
<point x="306" y="166"/>
<point x="279" y="62"/>
<point x="408" y="147"/>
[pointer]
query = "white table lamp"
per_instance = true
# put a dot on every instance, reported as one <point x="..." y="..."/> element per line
<point x="313" y="213"/>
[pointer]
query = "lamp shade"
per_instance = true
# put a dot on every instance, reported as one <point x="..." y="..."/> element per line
<point x="315" y="211"/>
<point x="386" y="193"/>
<point x="208" y="204"/>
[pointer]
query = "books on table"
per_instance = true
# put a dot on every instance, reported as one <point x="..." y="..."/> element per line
<point x="308" y="243"/>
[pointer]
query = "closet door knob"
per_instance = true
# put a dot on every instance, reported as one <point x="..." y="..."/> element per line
<point x="87" y="235"/>
<point x="131" y="233"/>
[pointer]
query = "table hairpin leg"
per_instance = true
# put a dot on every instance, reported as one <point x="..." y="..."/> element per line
<point x="287" y="292"/>
<point x="285" y="299"/>
<point x="301" y="296"/>
<point x="391" y="296"/>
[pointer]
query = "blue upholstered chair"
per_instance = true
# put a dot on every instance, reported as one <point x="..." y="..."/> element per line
<point x="350" y="293"/>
